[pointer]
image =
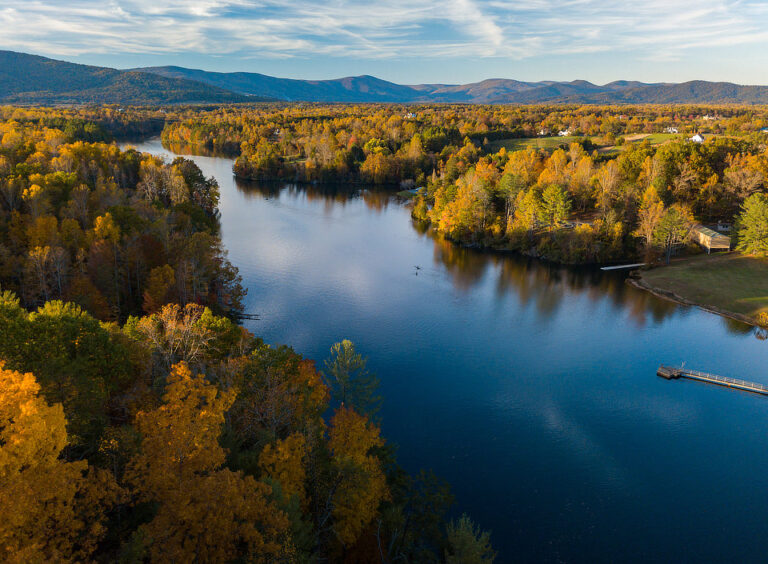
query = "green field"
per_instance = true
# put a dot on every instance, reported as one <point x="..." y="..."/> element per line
<point x="658" y="138"/>
<point x="548" y="143"/>
<point x="731" y="282"/>
<point x="552" y="143"/>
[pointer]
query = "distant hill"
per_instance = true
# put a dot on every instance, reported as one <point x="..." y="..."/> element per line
<point x="491" y="91"/>
<point x="694" y="92"/>
<point x="30" y="79"/>
<point x="500" y="91"/>
<point x="349" y="89"/>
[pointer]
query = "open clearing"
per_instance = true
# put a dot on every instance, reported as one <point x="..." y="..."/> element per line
<point x="657" y="138"/>
<point x="731" y="282"/>
<point x="548" y="143"/>
<point x="552" y="143"/>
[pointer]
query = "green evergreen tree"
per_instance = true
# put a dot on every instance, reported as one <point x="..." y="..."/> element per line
<point x="349" y="380"/>
<point x="555" y="205"/>
<point x="468" y="544"/>
<point x="753" y="225"/>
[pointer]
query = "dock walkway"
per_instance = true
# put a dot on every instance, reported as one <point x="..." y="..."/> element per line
<point x="671" y="373"/>
<point x="623" y="266"/>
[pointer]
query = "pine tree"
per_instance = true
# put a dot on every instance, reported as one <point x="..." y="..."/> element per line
<point x="349" y="380"/>
<point x="753" y="225"/>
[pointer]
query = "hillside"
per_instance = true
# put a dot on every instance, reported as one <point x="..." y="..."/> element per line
<point x="30" y="79"/>
<point x="696" y="91"/>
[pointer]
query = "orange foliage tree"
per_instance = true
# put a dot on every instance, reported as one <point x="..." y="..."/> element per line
<point x="205" y="512"/>
<point x="53" y="510"/>
<point x="361" y="484"/>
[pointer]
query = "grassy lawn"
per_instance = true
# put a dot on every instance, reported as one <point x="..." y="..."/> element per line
<point x="549" y="143"/>
<point x="552" y="143"/>
<point x="732" y="282"/>
<point x="659" y="138"/>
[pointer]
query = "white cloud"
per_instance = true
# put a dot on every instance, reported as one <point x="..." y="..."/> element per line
<point x="514" y="29"/>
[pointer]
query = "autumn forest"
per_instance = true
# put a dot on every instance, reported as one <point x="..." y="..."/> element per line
<point x="133" y="403"/>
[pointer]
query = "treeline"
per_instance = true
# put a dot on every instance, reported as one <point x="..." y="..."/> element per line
<point x="93" y="123"/>
<point x="393" y="143"/>
<point x="181" y="437"/>
<point x="116" y="232"/>
<point x="575" y="206"/>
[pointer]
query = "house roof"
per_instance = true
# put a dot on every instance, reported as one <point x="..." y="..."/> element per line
<point x="707" y="231"/>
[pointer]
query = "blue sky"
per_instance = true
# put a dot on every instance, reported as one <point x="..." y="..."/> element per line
<point x="406" y="41"/>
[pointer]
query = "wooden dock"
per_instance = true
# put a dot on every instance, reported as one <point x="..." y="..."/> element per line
<point x="244" y="316"/>
<point x="672" y="373"/>
<point x="623" y="266"/>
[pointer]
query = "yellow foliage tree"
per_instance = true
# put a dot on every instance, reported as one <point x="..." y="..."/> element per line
<point x="159" y="285"/>
<point x="104" y="227"/>
<point x="361" y="482"/>
<point x="284" y="462"/>
<point x="651" y="212"/>
<point x="52" y="510"/>
<point x="180" y="468"/>
<point x="36" y="200"/>
<point x="527" y="211"/>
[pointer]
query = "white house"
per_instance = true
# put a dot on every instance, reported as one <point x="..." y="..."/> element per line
<point x="671" y="130"/>
<point x="698" y="138"/>
<point x="564" y="132"/>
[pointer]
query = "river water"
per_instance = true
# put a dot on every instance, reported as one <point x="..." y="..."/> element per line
<point x="530" y="388"/>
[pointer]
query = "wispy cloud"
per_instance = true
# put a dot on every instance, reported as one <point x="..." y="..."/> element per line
<point x="439" y="29"/>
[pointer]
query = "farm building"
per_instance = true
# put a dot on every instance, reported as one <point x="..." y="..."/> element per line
<point x="710" y="239"/>
<point x="698" y="138"/>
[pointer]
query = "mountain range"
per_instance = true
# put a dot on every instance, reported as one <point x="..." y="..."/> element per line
<point x="31" y="79"/>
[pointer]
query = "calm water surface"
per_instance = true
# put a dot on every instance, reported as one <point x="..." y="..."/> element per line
<point x="530" y="388"/>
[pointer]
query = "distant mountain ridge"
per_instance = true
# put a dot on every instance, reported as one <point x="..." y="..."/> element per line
<point x="349" y="89"/>
<point x="492" y="91"/>
<point x="31" y="79"/>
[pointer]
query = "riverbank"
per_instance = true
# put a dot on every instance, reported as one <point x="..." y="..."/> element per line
<point x="732" y="285"/>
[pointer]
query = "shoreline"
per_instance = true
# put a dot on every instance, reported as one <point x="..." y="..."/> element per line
<point x="636" y="280"/>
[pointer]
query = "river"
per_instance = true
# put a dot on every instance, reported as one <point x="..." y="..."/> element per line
<point x="530" y="388"/>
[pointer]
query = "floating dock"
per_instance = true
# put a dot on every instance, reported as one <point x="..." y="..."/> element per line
<point x="672" y="373"/>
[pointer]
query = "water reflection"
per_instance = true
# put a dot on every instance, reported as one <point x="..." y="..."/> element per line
<point x="331" y="194"/>
<point x="197" y="151"/>
<point x="534" y="281"/>
<point x="545" y="284"/>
